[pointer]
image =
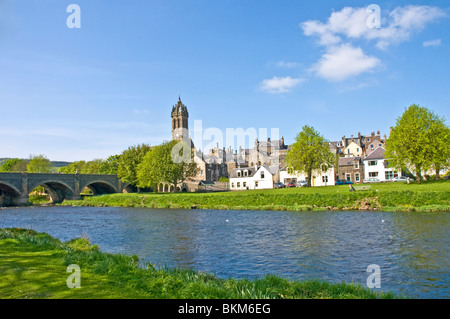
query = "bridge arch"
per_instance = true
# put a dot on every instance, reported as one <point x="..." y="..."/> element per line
<point x="8" y="188"/>
<point x="100" y="187"/>
<point x="57" y="190"/>
<point x="8" y="193"/>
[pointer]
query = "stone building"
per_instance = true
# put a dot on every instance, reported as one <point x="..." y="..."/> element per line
<point x="351" y="169"/>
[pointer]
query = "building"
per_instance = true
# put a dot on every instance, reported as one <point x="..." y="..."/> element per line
<point x="351" y="169"/>
<point x="256" y="177"/>
<point x="363" y="142"/>
<point x="319" y="177"/>
<point x="376" y="167"/>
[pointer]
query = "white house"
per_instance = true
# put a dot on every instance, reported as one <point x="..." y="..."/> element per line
<point x="376" y="166"/>
<point x="319" y="177"/>
<point x="262" y="177"/>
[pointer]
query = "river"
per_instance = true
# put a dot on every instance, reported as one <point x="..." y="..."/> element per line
<point x="411" y="249"/>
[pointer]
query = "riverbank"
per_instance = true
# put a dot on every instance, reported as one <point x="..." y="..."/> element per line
<point x="425" y="197"/>
<point x="34" y="265"/>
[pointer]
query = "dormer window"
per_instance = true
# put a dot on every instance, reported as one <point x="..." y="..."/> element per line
<point x="238" y="173"/>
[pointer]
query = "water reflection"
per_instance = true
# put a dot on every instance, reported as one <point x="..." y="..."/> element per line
<point x="411" y="249"/>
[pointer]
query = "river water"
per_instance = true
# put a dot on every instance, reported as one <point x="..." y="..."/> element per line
<point x="411" y="249"/>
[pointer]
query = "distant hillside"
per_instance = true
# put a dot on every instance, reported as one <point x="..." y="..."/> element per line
<point x="56" y="164"/>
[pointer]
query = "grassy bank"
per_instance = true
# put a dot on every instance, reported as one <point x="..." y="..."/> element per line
<point x="33" y="265"/>
<point x="424" y="197"/>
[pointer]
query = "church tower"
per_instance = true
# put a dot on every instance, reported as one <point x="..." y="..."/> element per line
<point x="180" y="118"/>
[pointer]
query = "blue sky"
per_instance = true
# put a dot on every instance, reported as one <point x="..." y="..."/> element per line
<point x="90" y="92"/>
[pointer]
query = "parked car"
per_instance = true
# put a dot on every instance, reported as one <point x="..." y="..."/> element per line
<point x="291" y="184"/>
<point x="342" y="182"/>
<point x="302" y="183"/>
<point x="400" y="179"/>
<point x="371" y="180"/>
<point x="279" y="185"/>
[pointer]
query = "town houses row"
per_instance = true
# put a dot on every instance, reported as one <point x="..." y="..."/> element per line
<point x="360" y="159"/>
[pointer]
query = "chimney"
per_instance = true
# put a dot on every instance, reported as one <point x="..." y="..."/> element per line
<point x="359" y="135"/>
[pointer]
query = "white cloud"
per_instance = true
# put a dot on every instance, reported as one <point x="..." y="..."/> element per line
<point x="288" y="65"/>
<point x="278" y="85"/>
<point x="344" y="61"/>
<point x="351" y="23"/>
<point x="432" y="43"/>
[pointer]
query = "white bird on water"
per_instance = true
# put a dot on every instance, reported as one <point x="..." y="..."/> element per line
<point x="382" y="220"/>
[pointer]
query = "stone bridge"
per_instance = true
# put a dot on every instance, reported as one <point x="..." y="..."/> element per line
<point x="15" y="187"/>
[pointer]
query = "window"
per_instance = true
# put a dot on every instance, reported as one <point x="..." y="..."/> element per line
<point x="389" y="175"/>
<point x="356" y="165"/>
<point x="256" y="184"/>
<point x="373" y="174"/>
<point x="371" y="146"/>
<point x="262" y="174"/>
<point x="324" y="179"/>
<point x="357" y="177"/>
<point x="357" y="149"/>
<point x="245" y="173"/>
<point x="379" y="145"/>
<point x="244" y="184"/>
<point x="238" y="173"/>
<point x="349" y="177"/>
<point x="232" y="185"/>
<point x="238" y="184"/>
<point x="348" y="151"/>
<point x="372" y="163"/>
<point x="368" y="140"/>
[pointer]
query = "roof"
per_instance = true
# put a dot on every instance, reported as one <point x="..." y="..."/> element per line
<point x="252" y="171"/>
<point x="378" y="153"/>
<point x="348" y="161"/>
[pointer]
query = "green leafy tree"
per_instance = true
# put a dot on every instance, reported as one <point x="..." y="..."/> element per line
<point x="309" y="152"/>
<point x="72" y="168"/>
<point x="171" y="162"/>
<point x="14" y="165"/>
<point x="110" y="165"/>
<point x="418" y="141"/>
<point x="440" y="150"/>
<point x="129" y="161"/>
<point x="39" y="164"/>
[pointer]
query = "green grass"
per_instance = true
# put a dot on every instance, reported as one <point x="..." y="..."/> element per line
<point x="33" y="265"/>
<point x="427" y="196"/>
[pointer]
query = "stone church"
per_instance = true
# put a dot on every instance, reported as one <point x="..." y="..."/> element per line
<point x="220" y="162"/>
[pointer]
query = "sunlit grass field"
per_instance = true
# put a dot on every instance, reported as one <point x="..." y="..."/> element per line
<point x="426" y="196"/>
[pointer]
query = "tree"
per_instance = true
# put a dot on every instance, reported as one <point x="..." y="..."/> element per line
<point x="309" y="152"/>
<point x="129" y="161"/>
<point x="440" y="149"/>
<point x="14" y="165"/>
<point x="171" y="162"/>
<point x="72" y="168"/>
<point x="110" y="165"/>
<point x="39" y="164"/>
<point x="418" y="141"/>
